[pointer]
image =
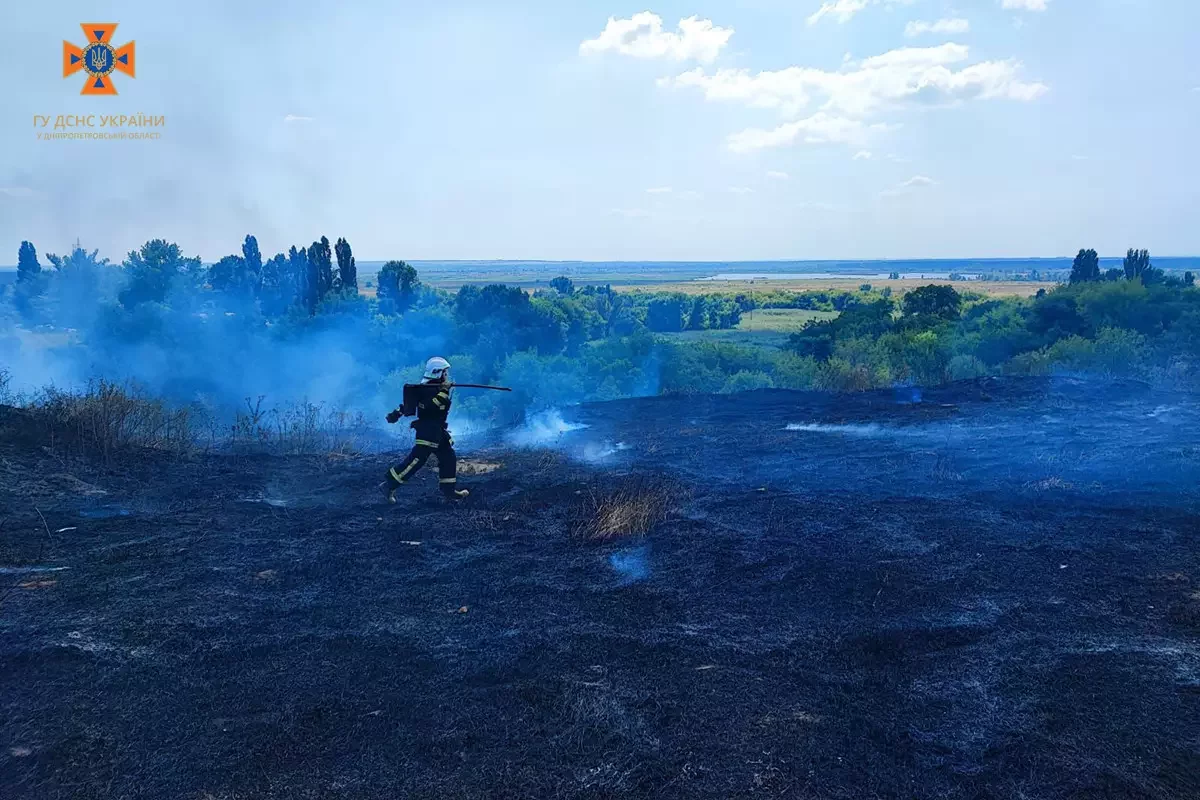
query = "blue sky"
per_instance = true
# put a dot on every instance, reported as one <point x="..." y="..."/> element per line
<point x="759" y="129"/>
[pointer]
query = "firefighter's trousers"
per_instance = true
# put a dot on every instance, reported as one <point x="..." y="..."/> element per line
<point x="422" y="450"/>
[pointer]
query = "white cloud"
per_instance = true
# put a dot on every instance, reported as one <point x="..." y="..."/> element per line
<point x="777" y="175"/>
<point x="862" y="155"/>
<point x="915" y="182"/>
<point x="659" y="190"/>
<point x="943" y="26"/>
<point x="642" y="36"/>
<point x="842" y="11"/>
<point x="691" y="193"/>
<point x="297" y="118"/>
<point x="741" y="190"/>
<point x="1079" y="158"/>
<point x="820" y="128"/>
<point x="16" y="191"/>
<point x="1024" y="5"/>
<point x="912" y="76"/>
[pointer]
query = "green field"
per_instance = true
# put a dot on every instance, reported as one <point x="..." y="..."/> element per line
<point x="785" y="320"/>
<point x="766" y="327"/>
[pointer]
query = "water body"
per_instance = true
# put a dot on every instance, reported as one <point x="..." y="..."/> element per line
<point x="817" y="276"/>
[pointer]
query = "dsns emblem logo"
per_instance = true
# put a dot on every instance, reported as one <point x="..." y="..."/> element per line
<point x="99" y="59"/>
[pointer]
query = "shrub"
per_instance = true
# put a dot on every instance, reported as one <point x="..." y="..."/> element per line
<point x="106" y="418"/>
<point x="302" y="428"/>
<point x="965" y="367"/>
<point x="1114" y="351"/>
<point x="839" y="375"/>
<point x="795" y="372"/>
<point x="746" y="380"/>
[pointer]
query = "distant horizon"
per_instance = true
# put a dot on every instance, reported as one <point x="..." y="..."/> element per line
<point x="987" y="259"/>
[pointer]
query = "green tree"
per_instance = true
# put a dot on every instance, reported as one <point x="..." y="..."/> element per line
<point x="398" y="286"/>
<point x="154" y="270"/>
<point x="1057" y="316"/>
<point x="29" y="277"/>
<point x="300" y="279"/>
<point x="697" y="318"/>
<point x="1189" y="279"/>
<point x="252" y="259"/>
<point x="1152" y="275"/>
<point x="938" y="301"/>
<point x="78" y="276"/>
<point x="563" y="285"/>
<point x="28" y="268"/>
<point x="1136" y="263"/>
<point x="320" y="272"/>
<point x="1086" y="267"/>
<point x="410" y="286"/>
<point x="817" y="339"/>
<point x="665" y="314"/>
<point x="347" y="270"/>
<point x="228" y="274"/>
<point x="277" y="292"/>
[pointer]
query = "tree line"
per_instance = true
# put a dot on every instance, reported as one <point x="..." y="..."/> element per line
<point x="320" y="279"/>
<point x="1135" y="267"/>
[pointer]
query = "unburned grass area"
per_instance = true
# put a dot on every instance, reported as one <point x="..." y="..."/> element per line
<point x="766" y="327"/>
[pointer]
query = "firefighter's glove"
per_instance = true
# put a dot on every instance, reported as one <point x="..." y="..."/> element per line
<point x="393" y="416"/>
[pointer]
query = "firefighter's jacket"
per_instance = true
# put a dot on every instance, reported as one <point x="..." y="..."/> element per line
<point x="432" y="401"/>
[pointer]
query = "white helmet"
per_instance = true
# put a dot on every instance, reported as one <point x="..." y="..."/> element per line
<point x="437" y="368"/>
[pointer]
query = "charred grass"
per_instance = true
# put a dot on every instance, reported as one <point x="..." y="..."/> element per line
<point x="259" y="626"/>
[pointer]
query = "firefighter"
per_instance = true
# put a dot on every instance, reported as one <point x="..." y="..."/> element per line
<point x="431" y="405"/>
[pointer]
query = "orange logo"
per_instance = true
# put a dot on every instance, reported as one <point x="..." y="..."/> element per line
<point x="99" y="59"/>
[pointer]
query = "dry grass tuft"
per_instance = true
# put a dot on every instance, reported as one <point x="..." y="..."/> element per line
<point x="466" y="467"/>
<point x="630" y="510"/>
<point x="1049" y="484"/>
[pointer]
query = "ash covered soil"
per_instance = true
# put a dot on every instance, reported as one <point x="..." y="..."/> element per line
<point x="989" y="591"/>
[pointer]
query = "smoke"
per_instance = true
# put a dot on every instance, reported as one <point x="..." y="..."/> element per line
<point x="190" y="344"/>
<point x="631" y="566"/>
<point x="600" y="452"/>
<point x="545" y="429"/>
<point x="866" y="430"/>
<point x="549" y="430"/>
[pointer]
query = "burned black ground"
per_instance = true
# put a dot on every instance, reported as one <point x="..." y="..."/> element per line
<point x="991" y="591"/>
